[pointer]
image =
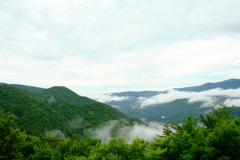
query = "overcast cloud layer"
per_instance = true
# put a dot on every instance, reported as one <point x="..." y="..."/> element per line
<point x="114" y="45"/>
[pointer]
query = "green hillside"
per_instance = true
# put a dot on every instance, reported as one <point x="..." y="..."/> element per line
<point x="67" y="94"/>
<point x="217" y="138"/>
<point x="25" y="87"/>
<point x="40" y="114"/>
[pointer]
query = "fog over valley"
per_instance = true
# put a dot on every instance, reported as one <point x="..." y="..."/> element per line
<point x="208" y="97"/>
<point x="119" y="79"/>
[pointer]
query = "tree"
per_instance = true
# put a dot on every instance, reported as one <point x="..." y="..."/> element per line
<point x="217" y="116"/>
<point x="12" y="141"/>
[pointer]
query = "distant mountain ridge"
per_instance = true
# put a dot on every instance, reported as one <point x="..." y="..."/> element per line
<point x="176" y="110"/>
<point x="227" y="84"/>
<point x="26" y="88"/>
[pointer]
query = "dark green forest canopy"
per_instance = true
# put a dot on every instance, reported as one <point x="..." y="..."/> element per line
<point x="218" y="138"/>
<point x="39" y="113"/>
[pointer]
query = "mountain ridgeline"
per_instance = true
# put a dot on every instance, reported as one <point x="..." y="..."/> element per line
<point x="58" y="111"/>
<point x="67" y="94"/>
<point x="177" y="109"/>
<point x="25" y="87"/>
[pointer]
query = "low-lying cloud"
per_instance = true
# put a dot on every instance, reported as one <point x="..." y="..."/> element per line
<point x="55" y="134"/>
<point x="207" y="97"/>
<point x="108" y="98"/>
<point x="141" y="131"/>
<point x="77" y="123"/>
<point x="115" y="106"/>
<point x="104" y="131"/>
<point x="231" y="102"/>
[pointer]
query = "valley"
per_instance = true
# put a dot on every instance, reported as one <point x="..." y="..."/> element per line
<point x="177" y="103"/>
<point x="57" y="123"/>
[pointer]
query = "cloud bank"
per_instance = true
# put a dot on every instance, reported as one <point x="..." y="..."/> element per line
<point x="55" y="134"/>
<point x="231" y="102"/>
<point x="108" y="98"/>
<point x="208" y="97"/>
<point x="145" y="132"/>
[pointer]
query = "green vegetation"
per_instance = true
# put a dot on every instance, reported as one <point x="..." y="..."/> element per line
<point x="26" y="117"/>
<point x="175" y="110"/>
<point x="26" y="88"/>
<point x="217" y="138"/>
<point x="67" y="94"/>
<point x="171" y="111"/>
<point x="46" y="114"/>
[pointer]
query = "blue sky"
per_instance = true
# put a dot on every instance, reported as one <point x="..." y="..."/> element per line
<point x="97" y="46"/>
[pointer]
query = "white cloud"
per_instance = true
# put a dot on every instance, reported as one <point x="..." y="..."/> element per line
<point x="55" y="134"/>
<point x="208" y="97"/>
<point x="104" y="131"/>
<point x="231" y="102"/>
<point x="117" y="43"/>
<point x="141" y="131"/>
<point x="208" y="101"/>
<point x="115" y="106"/>
<point x="108" y="98"/>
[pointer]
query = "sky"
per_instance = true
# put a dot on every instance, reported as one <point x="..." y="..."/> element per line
<point x="103" y="46"/>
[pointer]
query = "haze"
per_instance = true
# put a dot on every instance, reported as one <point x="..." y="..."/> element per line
<point x="101" y="46"/>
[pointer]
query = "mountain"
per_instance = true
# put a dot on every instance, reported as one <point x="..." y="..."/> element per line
<point x="67" y="94"/>
<point x="25" y="87"/>
<point x="47" y="114"/>
<point x="58" y="91"/>
<point x="179" y="107"/>
<point x="227" y="84"/>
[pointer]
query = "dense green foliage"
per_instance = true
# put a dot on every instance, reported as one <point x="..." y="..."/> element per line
<point x="46" y="114"/>
<point x="217" y="138"/>
<point x="68" y="95"/>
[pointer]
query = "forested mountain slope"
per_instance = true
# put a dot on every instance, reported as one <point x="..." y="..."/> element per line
<point x="26" y="88"/>
<point x="67" y="94"/>
<point x="217" y="138"/>
<point x="40" y="114"/>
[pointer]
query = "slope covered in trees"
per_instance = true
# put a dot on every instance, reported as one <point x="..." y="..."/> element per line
<point x="218" y="138"/>
<point x="47" y="114"/>
<point x="67" y="94"/>
<point x="26" y="88"/>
